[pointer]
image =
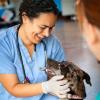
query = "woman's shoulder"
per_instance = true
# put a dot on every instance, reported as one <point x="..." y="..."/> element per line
<point x="52" y="39"/>
<point x="7" y="33"/>
<point x="54" y="48"/>
<point x="7" y="38"/>
<point x="52" y="42"/>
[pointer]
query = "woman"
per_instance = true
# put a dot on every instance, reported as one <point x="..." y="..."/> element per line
<point x="23" y="53"/>
<point x="89" y="20"/>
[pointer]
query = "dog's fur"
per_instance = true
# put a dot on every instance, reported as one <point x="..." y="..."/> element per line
<point x="72" y="73"/>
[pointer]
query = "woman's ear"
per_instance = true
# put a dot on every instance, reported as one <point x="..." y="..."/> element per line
<point x="24" y="17"/>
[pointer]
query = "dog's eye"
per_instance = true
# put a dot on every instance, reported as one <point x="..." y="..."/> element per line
<point x="78" y="78"/>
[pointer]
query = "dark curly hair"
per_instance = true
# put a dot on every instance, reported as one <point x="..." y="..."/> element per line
<point x="33" y="8"/>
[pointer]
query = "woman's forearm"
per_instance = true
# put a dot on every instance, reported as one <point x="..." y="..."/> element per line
<point x="15" y="88"/>
<point x="26" y="90"/>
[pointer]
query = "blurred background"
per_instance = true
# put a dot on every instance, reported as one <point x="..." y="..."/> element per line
<point x="67" y="30"/>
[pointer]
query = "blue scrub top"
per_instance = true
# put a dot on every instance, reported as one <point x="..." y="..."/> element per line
<point x="10" y="61"/>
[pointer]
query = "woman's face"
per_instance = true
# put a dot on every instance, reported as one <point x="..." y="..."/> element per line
<point x="38" y="28"/>
<point x="90" y="32"/>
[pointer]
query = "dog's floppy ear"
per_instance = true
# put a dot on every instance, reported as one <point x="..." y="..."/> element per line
<point x="87" y="78"/>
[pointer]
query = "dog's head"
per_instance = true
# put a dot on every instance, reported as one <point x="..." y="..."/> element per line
<point x="72" y="73"/>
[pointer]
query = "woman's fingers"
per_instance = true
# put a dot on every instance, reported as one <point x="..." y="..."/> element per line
<point x="74" y="97"/>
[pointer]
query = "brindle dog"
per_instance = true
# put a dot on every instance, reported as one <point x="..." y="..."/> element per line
<point x="72" y="73"/>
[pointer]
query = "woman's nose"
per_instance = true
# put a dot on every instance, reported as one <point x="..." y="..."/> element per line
<point x="46" y="32"/>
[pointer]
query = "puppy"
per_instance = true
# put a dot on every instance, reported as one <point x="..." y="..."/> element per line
<point x="72" y="73"/>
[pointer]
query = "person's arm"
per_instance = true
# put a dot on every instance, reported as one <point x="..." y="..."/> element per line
<point x="55" y="86"/>
<point x="9" y="78"/>
<point x="11" y="83"/>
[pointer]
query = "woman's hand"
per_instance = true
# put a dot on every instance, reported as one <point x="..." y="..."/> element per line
<point x="56" y="86"/>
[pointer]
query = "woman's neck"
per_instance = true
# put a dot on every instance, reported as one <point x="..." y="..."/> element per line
<point x="30" y="46"/>
<point x="24" y="38"/>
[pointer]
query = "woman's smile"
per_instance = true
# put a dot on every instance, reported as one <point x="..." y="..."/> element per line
<point x="38" y="37"/>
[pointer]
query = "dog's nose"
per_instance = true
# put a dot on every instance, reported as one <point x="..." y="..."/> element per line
<point x="48" y="70"/>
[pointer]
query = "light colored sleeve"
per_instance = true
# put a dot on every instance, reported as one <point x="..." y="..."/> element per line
<point x="55" y="49"/>
<point x="6" y="63"/>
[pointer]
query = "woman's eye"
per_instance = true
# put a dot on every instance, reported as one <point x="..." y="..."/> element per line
<point x="42" y="27"/>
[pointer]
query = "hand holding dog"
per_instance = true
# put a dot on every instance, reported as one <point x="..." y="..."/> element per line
<point x="56" y="86"/>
